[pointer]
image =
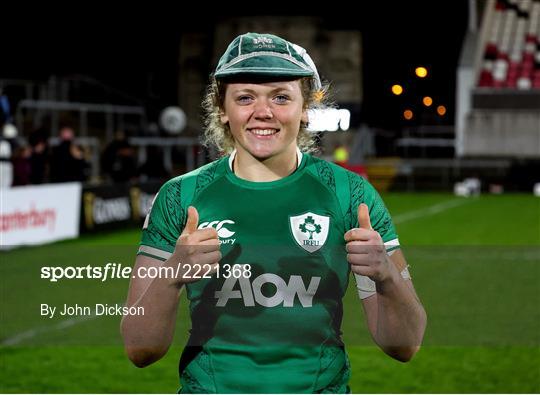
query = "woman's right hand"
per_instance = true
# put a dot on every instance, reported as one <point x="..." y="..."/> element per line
<point x="197" y="253"/>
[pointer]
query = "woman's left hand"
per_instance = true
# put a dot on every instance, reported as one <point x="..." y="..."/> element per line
<point x="365" y="249"/>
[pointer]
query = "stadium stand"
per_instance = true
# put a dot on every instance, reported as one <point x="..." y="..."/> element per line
<point x="497" y="102"/>
<point x="498" y="90"/>
<point x="96" y="112"/>
<point x="512" y="52"/>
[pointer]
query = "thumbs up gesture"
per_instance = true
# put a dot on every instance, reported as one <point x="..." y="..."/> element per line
<point x="365" y="249"/>
<point x="197" y="253"/>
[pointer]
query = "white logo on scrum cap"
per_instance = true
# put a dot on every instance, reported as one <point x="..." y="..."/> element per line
<point x="224" y="234"/>
<point x="262" y="40"/>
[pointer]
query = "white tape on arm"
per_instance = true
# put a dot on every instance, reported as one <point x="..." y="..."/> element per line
<point x="366" y="286"/>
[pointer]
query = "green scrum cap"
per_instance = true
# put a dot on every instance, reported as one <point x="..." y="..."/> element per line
<point x="257" y="54"/>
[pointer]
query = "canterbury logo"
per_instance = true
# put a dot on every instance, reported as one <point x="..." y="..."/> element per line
<point x="224" y="234"/>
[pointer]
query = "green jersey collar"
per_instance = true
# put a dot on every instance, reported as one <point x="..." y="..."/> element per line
<point x="301" y="163"/>
<point x="298" y="158"/>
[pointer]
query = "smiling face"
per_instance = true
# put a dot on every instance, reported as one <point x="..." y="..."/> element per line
<point x="264" y="118"/>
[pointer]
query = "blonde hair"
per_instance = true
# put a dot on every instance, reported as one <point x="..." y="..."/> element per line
<point x="218" y="135"/>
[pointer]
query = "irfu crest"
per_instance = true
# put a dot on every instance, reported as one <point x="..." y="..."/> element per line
<point x="310" y="230"/>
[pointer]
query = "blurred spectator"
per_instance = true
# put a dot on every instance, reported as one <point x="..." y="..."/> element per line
<point x="153" y="168"/>
<point x="342" y="158"/>
<point x="119" y="161"/>
<point x="6" y="168"/>
<point x="39" y="159"/>
<point x="5" y="109"/>
<point x="9" y="131"/>
<point x="22" y="168"/>
<point x="67" y="161"/>
<point x="341" y="155"/>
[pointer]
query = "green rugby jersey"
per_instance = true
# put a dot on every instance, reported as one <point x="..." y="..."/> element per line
<point x="272" y="326"/>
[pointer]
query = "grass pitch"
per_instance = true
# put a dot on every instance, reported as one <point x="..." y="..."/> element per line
<point x="475" y="264"/>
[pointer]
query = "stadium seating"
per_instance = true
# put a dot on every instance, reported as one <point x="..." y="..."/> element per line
<point x="512" y="52"/>
<point x="498" y="103"/>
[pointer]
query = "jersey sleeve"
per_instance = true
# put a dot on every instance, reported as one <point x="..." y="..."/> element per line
<point x="381" y="221"/>
<point x="164" y="222"/>
<point x="361" y="191"/>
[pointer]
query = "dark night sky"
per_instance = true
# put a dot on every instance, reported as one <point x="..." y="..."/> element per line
<point x="138" y="54"/>
<point x="413" y="36"/>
